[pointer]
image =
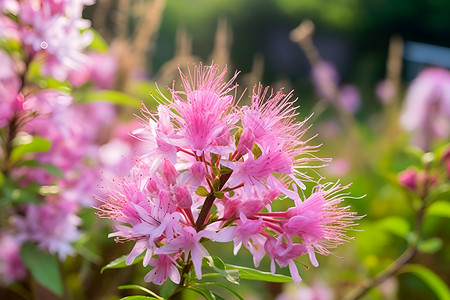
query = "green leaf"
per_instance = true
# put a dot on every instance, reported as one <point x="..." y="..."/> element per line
<point x="430" y="278"/>
<point x="395" y="225"/>
<point x="238" y="135"/>
<point x="202" y="191"/>
<point x="253" y="274"/>
<point x="439" y="209"/>
<point x="138" y="297"/>
<point x="257" y="152"/>
<point x="214" y="158"/>
<point x="37" y="144"/>
<point x="112" y="97"/>
<point x="225" y="170"/>
<point x="119" y="262"/>
<point x="216" y="184"/>
<point x="51" y="169"/>
<point x="43" y="266"/>
<point x="215" y="170"/>
<point x="219" y="195"/>
<point x="440" y="193"/>
<point x="203" y="292"/>
<point x="219" y="266"/>
<point x="140" y="288"/>
<point x="431" y="245"/>
<point x="223" y="286"/>
<point x="98" y="43"/>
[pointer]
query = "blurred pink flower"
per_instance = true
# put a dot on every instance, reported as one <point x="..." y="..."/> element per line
<point x="385" y="91"/>
<point x="426" y="111"/>
<point x="9" y="88"/>
<point x="325" y="78"/>
<point x="54" y="226"/>
<point x="11" y="266"/>
<point x="349" y="98"/>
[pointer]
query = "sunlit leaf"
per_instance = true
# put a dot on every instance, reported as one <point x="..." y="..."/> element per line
<point x="433" y="281"/>
<point x="439" y="209"/>
<point x="113" y="97"/>
<point x="43" y="266"/>
<point x="431" y="245"/>
<point x="253" y="274"/>
<point x="37" y="144"/>
<point x="119" y="262"/>
<point x="98" y="43"/>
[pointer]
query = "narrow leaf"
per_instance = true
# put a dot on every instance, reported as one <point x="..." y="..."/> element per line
<point x="430" y="278"/>
<point x="222" y="286"/>
<point x="257" y="152"/>
<point x="203" y="292"/>
<point x="253" y="274"/>
<point x="216" y="184"/>
<point x="43" y="266"/>
<point x="119" y="262"/>
<point x="138" y="297"/>
<point x="140" y="288"/>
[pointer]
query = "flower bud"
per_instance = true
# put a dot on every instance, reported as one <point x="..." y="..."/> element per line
<point x="183" y="197"/>
<point x="169" y="173"/>
<point x="408" y="179"/>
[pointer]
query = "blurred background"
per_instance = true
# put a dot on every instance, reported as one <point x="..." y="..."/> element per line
<point x="372" y="77"/>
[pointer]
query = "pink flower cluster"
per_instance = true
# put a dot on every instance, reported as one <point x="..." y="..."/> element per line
<point x="52" y="38"/>
<point x="211" y="172"/>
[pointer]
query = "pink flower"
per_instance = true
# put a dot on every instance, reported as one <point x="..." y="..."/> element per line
<point x="426" y="110"/>
<point x="284" y="254"/>
<point x="247" y="232"/>
<point x="349" y="98"/>
<point x="202" y="113"/>
<point x="325" y="79"/>
<point x="164" y="267"/>
<point x="11" y="265"/>
<point x="187" y="242"/>
<point x="9" y="89"/>
<point x="319" y="221"/>
<point x="54" y="226"/>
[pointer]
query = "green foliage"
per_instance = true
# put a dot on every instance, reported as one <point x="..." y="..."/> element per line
<point x="140" y="288"/>
<point x="51" y="169"/>
<point x="202" y="191"/>
<point x="98" y="43"/>
<point x="439" y="209"/>
<point x="36" y="144"/>
<point x="220" y="267"/>
<point x="434" y="282"/>
<point x="44" y="267"/>
<point x="113" y="97"/>
<point x="119" y="262"/>
<point x="254" y="274"/>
